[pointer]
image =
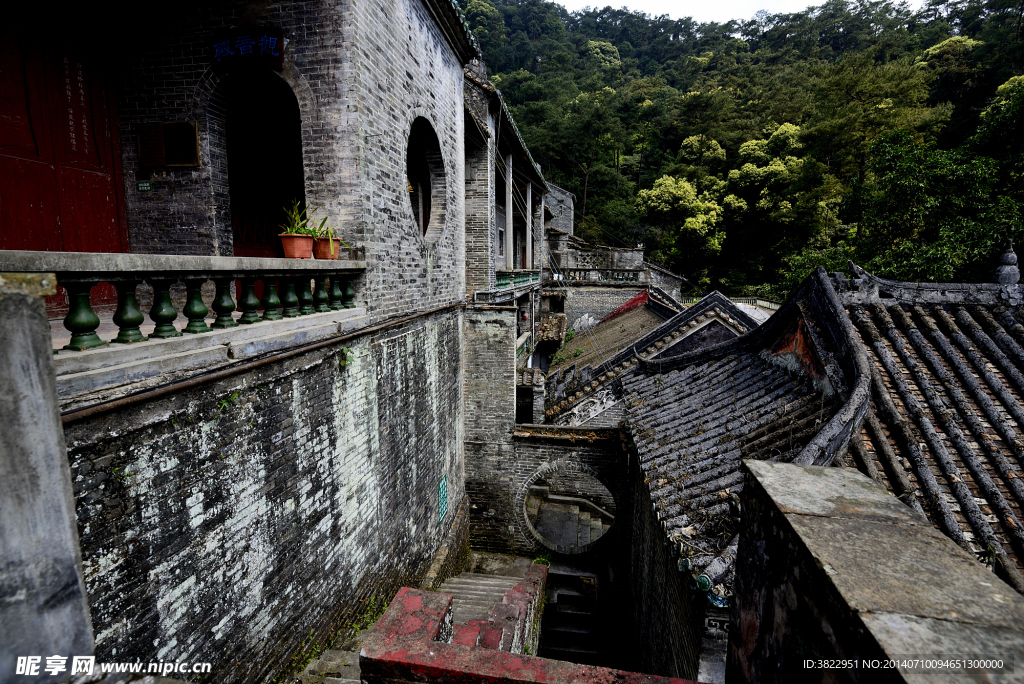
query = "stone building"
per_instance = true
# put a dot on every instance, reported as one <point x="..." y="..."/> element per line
<point x="245" y="485"/>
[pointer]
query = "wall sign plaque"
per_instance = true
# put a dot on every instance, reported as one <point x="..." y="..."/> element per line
<point x="254" y="45"/>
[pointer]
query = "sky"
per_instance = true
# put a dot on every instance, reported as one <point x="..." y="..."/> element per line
<point x="703" y="10"/>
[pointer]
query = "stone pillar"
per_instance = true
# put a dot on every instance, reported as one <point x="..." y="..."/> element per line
<point x="528" y="215"/>
<point x="44" y="609"/>
<point x="509" y="259"/>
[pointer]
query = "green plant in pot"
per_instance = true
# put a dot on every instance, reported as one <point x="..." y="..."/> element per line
<point x="296" y="233"/>
<point x="328" y="245"/>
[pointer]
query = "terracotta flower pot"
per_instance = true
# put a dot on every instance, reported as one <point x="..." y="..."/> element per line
<point x="297" y="246"/>
<point x="322" y="248"/>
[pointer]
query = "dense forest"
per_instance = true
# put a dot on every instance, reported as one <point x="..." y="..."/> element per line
<point x="744" y="154"/>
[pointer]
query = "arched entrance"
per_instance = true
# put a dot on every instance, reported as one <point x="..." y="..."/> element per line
<point x="263" y="140"/>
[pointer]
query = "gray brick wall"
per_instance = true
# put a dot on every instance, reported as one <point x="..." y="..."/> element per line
<point x="668" y="616"/>
<point x="560" y="204"/>
<point x="507" y="470"/>
<point x="596" y="301"/>
<point x="490" y="411"/>
<point x="241" y="521"/>
<point x="361" y="72"/>
<point x="481" y="251"/>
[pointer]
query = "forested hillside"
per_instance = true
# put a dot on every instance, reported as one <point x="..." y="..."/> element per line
<point x="744" y="154"/>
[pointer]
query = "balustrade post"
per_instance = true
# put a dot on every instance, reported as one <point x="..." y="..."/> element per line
<point x="128" y="316"/>
<point x="223" y="304"/>
<point x="337" y="296"/>
<point x="320" y="296"/>
<point x="290" y="300"/>
<point x="195" y="310"/>
<point x="350" y="293"/>
<point x="304" y="295"/>
<point x="163" y="313"/>
<point x="248" y="303"/>
<point x="271" y="301"/>
<point x="81" y="320"/>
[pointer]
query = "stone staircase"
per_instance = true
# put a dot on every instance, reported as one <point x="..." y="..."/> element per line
<point x="475" y="594"/>
<point x="565" y="523"/>
<point x="572" y="621"/>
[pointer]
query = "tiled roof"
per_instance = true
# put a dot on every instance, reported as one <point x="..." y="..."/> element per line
<point x="606" y="339"/>
<point x="945" y="429"/>
<point x="921" y="386"/>
<point x="711" y="320"/>
<point x="770" y="394"/>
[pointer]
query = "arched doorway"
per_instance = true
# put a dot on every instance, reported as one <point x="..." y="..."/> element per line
<point x="263" y="140"/>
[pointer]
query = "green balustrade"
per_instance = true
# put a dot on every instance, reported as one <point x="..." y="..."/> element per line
<point x="336" y="295"/>
<point x="248" y="302"/>
<point x="289" y="299"/>
<point x="223" y="304"/>
<point x="195" y="310"/>
<point x="304" y="295"/>
<point x="163" y="313"/>
<point x="320" y="297"/>
<point x="271" y="301"/>
<point x="350" y="293"/>
<point x="81" y="320"/>
<point x="128" y="316"/>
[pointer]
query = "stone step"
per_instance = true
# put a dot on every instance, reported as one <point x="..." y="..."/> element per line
<point x="475" y="590"/>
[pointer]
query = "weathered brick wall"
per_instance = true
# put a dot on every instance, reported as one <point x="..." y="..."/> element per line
<point x="361" y="73"/>
<point x="480" y="231"/>
<point x="560" y="203"/>
<point x="597" y="301"/>
<point x="489" y="369"/>
<point x="238" y="521"/>
<point x="668" y="616"/>
<point x="671" y="284"/>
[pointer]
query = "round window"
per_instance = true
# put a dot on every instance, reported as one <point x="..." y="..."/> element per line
<point x="425" y="178"/>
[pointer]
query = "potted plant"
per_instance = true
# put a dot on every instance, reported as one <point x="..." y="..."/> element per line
<point x="327" y="245"/>
<point x="296" y="235"/>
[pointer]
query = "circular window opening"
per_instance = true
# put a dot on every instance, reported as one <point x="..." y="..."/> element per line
<point x="569" y="511"/>
<point x="425" y="178"/>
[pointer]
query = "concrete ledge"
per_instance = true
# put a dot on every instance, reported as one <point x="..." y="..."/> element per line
<point x="87" y="381"/>
<point x="832" y="567"/>
<point x="283" y="340"/>
<point x="66" y="362"/>
<point x="67" y="264"/>
<point x="34" y="284"/>
<point x="98" y="372"/>
<point x="412" y="642"/>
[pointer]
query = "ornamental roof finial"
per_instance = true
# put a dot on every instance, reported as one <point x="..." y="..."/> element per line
<point x="1007" y="272"/>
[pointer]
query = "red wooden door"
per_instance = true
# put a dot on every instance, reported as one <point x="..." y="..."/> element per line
<point x="60" y="180"/>
<point x="60" y="185"/>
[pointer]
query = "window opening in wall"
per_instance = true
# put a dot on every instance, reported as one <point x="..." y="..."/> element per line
<point x="425" y="178"/>
<point x="501" y="242"/>
<point x="442" y="499"/>
<point x="264" y="152"/>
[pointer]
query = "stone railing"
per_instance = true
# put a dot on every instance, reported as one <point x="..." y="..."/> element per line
<point x="605" y="275"/>
<point x="516" y="278"/>
<point x="749" y="301"/>
<point x="523" y="343"/>
<point x="291" y="288"/>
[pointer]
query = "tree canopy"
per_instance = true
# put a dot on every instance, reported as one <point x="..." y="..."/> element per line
<point x="744" y="154"/>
